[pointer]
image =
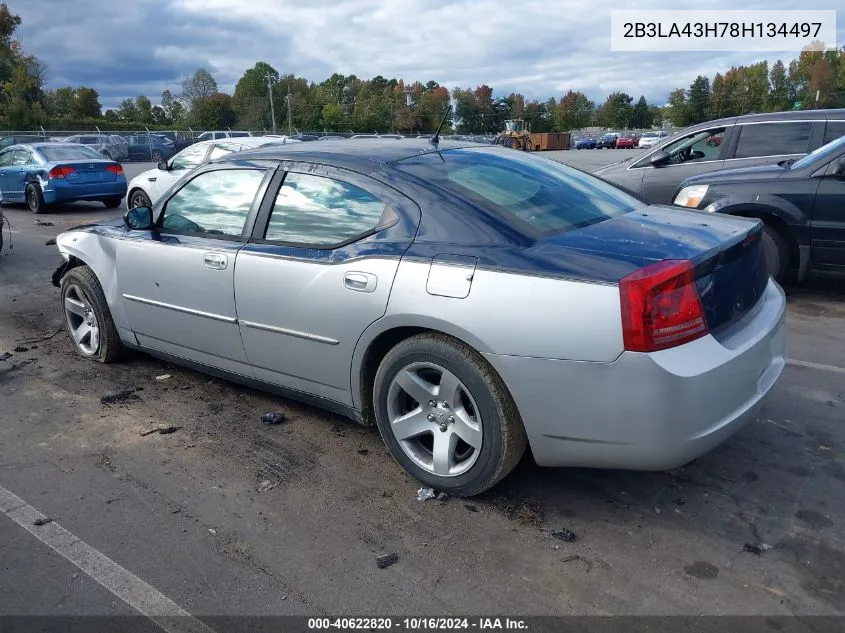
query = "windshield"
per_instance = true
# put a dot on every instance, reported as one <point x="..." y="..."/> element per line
<point x="68" y="152"/>
<point x="821" y="155"/>
<point x="539" y="194"/>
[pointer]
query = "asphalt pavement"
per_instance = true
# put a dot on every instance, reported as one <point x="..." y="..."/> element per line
<point x="227" y="516"/>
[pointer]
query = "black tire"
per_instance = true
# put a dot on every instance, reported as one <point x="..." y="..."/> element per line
<point x="35" y="199"/>
<point x="138" y="198"/>
<point x="83" y="278"/>
<point x="112" y="203"/>
<point x="107" y="155"/>
<point x="503" y="435"/>
<point x="776" y="251"/>
<point x="156" y="156"/>
<point x="529" y="145"/>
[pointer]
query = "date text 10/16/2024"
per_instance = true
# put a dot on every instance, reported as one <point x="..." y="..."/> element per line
<point x="417" y="624"/>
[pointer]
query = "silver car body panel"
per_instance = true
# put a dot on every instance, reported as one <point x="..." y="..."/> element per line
<point x="649" y="411"/>
<point x="301" y="319"/>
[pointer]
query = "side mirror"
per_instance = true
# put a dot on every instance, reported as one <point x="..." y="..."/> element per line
<point x="839" y="170"/>
<point x="658" y="159"/>
<point x="139" y="219"/>
<point x="162" y="165"/>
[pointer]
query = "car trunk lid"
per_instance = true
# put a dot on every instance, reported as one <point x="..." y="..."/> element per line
<point x="727" y="253"/>
<point x="87" y="172"/>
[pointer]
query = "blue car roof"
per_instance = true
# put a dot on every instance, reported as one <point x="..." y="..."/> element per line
<point x="362" y="153"/>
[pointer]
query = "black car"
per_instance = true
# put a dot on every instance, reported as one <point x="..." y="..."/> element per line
<point x="608" y="141"/>
<point x="744" y="141"/>
<point x="16" y="139"/>
<point x="150" y="147"/>
<point x="801" y="203"/>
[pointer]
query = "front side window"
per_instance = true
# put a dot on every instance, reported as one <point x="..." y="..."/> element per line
<point x="321" y="211"/>
<point x="536" y="194"/>
<point x="697" y="146"/>
<point x="214" y="203"/>
<point x="189" y="157"/>
<point x="773" y="139"/>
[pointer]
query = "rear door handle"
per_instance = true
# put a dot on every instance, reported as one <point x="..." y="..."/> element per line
<point x="360" y="282"/>
<point x="215" y="261"/>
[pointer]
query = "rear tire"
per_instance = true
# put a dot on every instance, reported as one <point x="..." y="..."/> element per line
<point x="776" y="251"/>
<point x="112" y="203"/>
<point x="156" y="156"/>
<point x="35" y="199"/>
<point x="480" y="409"/>
<point x="87" y="315"/>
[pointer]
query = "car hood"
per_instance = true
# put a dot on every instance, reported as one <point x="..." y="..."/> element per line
<point x="743" y="174"/>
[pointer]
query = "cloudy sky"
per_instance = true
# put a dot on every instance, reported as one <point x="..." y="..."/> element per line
<point x="540" y="48"/>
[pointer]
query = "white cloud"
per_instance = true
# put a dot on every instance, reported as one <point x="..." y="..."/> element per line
<point x="538" y="47"/>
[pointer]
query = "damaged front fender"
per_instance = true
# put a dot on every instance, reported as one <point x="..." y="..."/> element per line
<point x="60" y="272"/>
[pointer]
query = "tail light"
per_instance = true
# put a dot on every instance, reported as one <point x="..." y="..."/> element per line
<point x="60" y="172"/>
<point x="661" y="307"/>
<point x="115" y="169"/>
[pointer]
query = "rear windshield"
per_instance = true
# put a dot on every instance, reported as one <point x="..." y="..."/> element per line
<point x="68" y="152"/>
<point x="537" y="193"/>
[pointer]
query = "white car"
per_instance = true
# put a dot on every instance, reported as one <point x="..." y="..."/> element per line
<point x="649" y="139"/>
<point x="145" y="188"/>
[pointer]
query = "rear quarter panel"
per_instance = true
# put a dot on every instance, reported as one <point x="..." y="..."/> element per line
<point x="506" y="314"/>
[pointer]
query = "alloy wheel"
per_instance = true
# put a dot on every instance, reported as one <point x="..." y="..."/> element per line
<point x="81" y="321"/>
<point x="435" y="419"/>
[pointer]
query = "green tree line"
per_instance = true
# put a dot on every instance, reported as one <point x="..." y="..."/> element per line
<point x="343" y="103"/>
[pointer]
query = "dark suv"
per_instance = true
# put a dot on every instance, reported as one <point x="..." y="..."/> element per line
<point x="801" y="204"/>
<point x="745" y="141"/>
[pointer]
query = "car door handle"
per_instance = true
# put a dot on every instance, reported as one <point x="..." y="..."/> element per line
<point x="360" y="282"/>
<point x="215" y="261"/>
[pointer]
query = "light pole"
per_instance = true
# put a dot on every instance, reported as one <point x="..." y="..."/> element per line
<point x="288" y="98"/>
<point x="272" y="108"/>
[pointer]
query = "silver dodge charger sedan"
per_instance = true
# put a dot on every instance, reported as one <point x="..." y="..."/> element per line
<point x="468" y="300"/>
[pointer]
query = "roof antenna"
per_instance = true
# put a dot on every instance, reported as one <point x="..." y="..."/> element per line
<point x="434" y="140"/>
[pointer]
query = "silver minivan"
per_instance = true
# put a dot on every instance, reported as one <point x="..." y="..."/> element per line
<point x="744" y="141"/>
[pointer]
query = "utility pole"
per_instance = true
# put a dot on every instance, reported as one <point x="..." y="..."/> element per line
<point x="288" y="98"/>
<point x="272" y="108"/>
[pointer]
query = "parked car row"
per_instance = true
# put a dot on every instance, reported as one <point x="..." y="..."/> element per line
<point x="786" y="169"/>
<point x="619" y="140"/>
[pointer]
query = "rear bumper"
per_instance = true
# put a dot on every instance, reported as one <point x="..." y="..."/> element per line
<point x="59" y="191"/>
<point x="650" y="411"/>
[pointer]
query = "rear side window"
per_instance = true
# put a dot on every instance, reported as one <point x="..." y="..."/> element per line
<point x="773" y="139"/>
<point x="834" y="130"/>
<point x="538" y="194"/>
<point x="323" y="212"/>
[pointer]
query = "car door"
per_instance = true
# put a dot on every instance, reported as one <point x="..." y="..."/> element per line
<point x="177" y="281"/>
<point x="769" y="142"/>
<point x="6" y="158"/>
<point x="828" y="218"/>
<point x="692" y="154"/>
<point x="16" y="174"/>
<point x="178" y="166"/>
<point x="319" y="270"/>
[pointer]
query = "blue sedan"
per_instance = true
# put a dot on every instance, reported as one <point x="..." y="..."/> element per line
<point x="585" y="143"/>
<point x="41" y="174"/>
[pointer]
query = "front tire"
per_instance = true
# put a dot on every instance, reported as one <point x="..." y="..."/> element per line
<point x="446" y="416"/>
<point x="139" y="199"/>
<point x="87" y="317"/>
<point x="35" y="199"/>
<point x="156" y="156"/>
<point x="776" y="251"/>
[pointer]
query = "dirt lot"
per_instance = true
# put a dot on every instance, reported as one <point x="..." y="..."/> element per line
<point x="228" y="516"/>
